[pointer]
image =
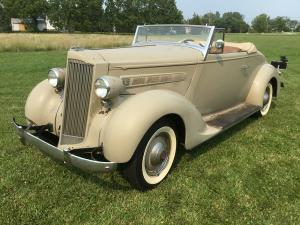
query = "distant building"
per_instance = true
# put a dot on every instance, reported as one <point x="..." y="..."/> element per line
<point x="18" y="25"/>
<point x="44" y="25"/>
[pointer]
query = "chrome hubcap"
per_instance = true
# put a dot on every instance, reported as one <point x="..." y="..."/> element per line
<point x="266" y="98"/>
<point x="157" y="155"/>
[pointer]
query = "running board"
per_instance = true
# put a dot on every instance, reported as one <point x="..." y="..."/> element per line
<point x="226" y="119"/>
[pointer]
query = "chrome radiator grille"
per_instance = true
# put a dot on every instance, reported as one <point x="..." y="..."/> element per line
<point x="77" y="99"/>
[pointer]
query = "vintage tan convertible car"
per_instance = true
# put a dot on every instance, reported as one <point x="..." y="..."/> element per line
<point x="132" y="107"/>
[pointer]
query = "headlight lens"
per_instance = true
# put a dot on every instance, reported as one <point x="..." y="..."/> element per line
<point x="53" y="78"/>
<point x="109" y="87"/>
<point x="102" y="88"/>
<point x="56" y="78"/>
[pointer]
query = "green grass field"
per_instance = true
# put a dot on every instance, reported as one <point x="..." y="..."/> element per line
<point x="247" y="175"/>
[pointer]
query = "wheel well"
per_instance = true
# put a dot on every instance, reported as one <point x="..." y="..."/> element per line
<point x="178" y="121"/>
<point x="273" y="81"/>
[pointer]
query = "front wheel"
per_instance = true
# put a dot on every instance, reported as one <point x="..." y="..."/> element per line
<point x="267" y="100"/>
<point x="154" y="156"/>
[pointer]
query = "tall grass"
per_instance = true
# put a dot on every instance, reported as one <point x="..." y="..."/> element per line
<point x="50" y="42"/>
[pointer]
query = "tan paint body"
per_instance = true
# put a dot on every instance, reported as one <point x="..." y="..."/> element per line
<point x="160" y="80"/>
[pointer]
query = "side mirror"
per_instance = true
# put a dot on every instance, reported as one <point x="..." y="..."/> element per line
<point x="219" y="44"/>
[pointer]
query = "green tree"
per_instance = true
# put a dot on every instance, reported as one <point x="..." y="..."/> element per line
<point x="261" y="23"/>
<point x="125" y="15"/>
<point x="162" y="11"/>
<point x="195" y="20"/>
<point x="91" y="12"/>
<point x="111" y="19"/>
<point x="211" y="18"/>
<point x="208" y="18"/>
<point x="131" y="14"/>
<point x="292" y="24"/>
<point x="62" y="14"/>
<point x="30" y="11"/>
<point x="280" y="24"/>
<point x="4" y="19"/>
<point x="234" y="22"/>
<point x="75" y="15"/>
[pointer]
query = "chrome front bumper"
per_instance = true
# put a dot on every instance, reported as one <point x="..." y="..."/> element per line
<point x="62" y="155"/>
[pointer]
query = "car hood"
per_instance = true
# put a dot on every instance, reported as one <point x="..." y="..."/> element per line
<point x="139" y="56"/>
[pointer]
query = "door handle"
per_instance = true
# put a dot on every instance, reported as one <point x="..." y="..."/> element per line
<point x="245" y="67"/>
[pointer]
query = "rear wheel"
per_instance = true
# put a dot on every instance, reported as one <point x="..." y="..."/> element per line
<point x="154" y="156"/>
<point x="267" y="100"/>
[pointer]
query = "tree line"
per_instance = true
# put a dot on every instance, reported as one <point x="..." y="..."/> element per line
<point x="234" y="22"/>
<point x="122" y="16"/>
<point x="91" y="15"/>
<point x="263" y="23"/>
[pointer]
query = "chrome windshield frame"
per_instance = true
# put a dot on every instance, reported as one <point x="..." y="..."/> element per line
<point x="203" y="50"/>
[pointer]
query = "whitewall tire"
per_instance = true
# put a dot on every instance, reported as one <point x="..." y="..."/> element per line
<point x="267" y="100"/>
<point x="154" y="156"/>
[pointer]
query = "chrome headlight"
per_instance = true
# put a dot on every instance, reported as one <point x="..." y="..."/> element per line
<point x="102" y="87"/>
<point x="56" y="78"/>
<point x="108" y="87"/>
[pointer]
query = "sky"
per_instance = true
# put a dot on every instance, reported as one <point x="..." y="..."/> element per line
<point x="248" y="8"/>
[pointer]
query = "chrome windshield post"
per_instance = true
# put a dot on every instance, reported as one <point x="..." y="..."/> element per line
<point x="209" y="43"/>
<point x="135" y="36"/>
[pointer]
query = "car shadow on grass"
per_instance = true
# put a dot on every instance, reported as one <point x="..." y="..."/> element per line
<point x="109" y="181"/>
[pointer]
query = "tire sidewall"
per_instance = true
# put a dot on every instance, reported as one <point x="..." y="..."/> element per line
<point x="263" y="111"/>
<point x="139" y="155"/>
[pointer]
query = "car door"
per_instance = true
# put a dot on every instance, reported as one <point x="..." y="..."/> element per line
<point x="223" y="82"/>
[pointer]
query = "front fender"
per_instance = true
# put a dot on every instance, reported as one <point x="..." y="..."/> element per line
<point x="265" y="74"/>
<point x="42" y="104"/>
<point x="129" y="122"/>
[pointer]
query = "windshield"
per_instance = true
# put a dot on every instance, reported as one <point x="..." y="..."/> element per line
<point x="198" y="37"/>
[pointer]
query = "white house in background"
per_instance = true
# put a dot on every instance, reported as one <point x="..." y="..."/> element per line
<point x="18" y="25"/>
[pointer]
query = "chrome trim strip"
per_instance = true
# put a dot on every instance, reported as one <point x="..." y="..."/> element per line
<point x="126" y="67"/>
<point x="132" y="81"/>
<point x="63" y="155"/>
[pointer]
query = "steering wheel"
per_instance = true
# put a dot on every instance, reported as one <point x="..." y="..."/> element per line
<point x="190" y="40"/>
<point x="187" y="40"/>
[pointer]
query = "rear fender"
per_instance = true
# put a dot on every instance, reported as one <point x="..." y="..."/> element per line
<point x="129" y="122"/>
<point x="266" y="73"/>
